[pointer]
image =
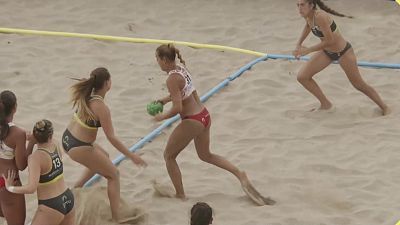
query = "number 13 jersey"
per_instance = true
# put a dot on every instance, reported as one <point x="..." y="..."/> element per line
<point x="56" y="171"/>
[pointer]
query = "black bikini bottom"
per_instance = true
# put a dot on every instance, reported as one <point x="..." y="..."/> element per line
<point x="336" y="55"/>
<point x="63" y="203"/>
<point x="69" y="141"/>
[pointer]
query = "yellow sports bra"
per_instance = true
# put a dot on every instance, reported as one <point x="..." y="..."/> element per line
<point x="89" y="124"/>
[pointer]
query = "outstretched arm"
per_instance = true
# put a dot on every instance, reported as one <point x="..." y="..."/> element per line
<point x="33" y="179"/>
<point x="104" y="115"/>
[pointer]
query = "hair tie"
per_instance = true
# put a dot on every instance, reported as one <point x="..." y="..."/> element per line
<point x="170" y="45"/>
<point x="40" y="126"/>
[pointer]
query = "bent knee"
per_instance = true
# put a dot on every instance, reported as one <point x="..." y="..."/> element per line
<point x="113" y="174"/>
<point x="361" y="86"/>
<point x="169" y="156"/>
<point x="205" y="157"/>
<point x="301" y="77"/>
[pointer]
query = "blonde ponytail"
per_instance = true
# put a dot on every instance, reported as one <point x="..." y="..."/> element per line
<point x="179" y="56"/>
<point x="81" y="92"/>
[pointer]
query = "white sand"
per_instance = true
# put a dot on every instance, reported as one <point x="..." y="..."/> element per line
<point x="322" y="168"/>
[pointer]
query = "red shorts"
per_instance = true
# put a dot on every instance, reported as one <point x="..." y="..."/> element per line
<point x="3" y="182"/>
<point x="203" y="117"/>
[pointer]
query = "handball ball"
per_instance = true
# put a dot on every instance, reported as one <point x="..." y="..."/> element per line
<point x="154" y="108"/>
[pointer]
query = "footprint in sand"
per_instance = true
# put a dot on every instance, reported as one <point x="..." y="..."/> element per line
<point x="163" y="190"/>
<point x="92" y="207"/>
<point x="293" y="114"/>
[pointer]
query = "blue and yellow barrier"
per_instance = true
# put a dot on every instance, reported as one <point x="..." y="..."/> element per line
<point x="157" y="131"/>
<point x="189" y="44"/>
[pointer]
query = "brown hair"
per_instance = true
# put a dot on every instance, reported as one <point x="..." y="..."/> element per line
<point x="8" y="101"/>
<point x="82" y="90"/>
<point x="201" y="214"/>
<point x="169" y="52"/>
<point x="43" y="130"/>
<point x="324" y="7"/>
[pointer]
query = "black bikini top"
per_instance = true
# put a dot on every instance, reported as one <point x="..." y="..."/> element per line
<point x="317" y="32"/>
<point x="56" y="171"/>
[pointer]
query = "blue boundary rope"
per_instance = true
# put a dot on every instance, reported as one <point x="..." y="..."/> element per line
<point x="153" y="134"/>
<point x="360" y="63"/>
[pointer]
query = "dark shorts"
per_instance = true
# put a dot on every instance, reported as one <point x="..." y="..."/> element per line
<point x="336" y="55"/>
<point x="63" y="203"/>
<point x="69" y="141"/>
<point x="203" y="117"/>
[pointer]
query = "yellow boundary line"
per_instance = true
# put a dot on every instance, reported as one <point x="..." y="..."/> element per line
<point x="128" y="39"/>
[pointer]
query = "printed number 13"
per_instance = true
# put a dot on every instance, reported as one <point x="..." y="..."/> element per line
<point x="57" y="163"/>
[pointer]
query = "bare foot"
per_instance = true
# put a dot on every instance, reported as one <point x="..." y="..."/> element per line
<point x="115" y="218"/>
<point x="386" y="110"/>
<point x="329" y="110"/>
<point x="324" y="107"/>
<point x="269" y="201"/>
<point x="165" y="190"/>
<point x="252" y="193"/>
<point x="181" y="196"/>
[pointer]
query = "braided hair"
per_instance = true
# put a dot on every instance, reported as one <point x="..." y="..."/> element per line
<point x="324" y="7"/>
<point x="169" y="52"/>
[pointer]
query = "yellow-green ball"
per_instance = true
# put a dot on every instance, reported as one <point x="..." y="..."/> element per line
<point x="153" y="108"/>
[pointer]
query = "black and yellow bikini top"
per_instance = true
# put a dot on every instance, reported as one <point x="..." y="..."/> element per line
<point x="56" y="171"/>
<point x="317" y="32"/>
<point x="90" y="124"/>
